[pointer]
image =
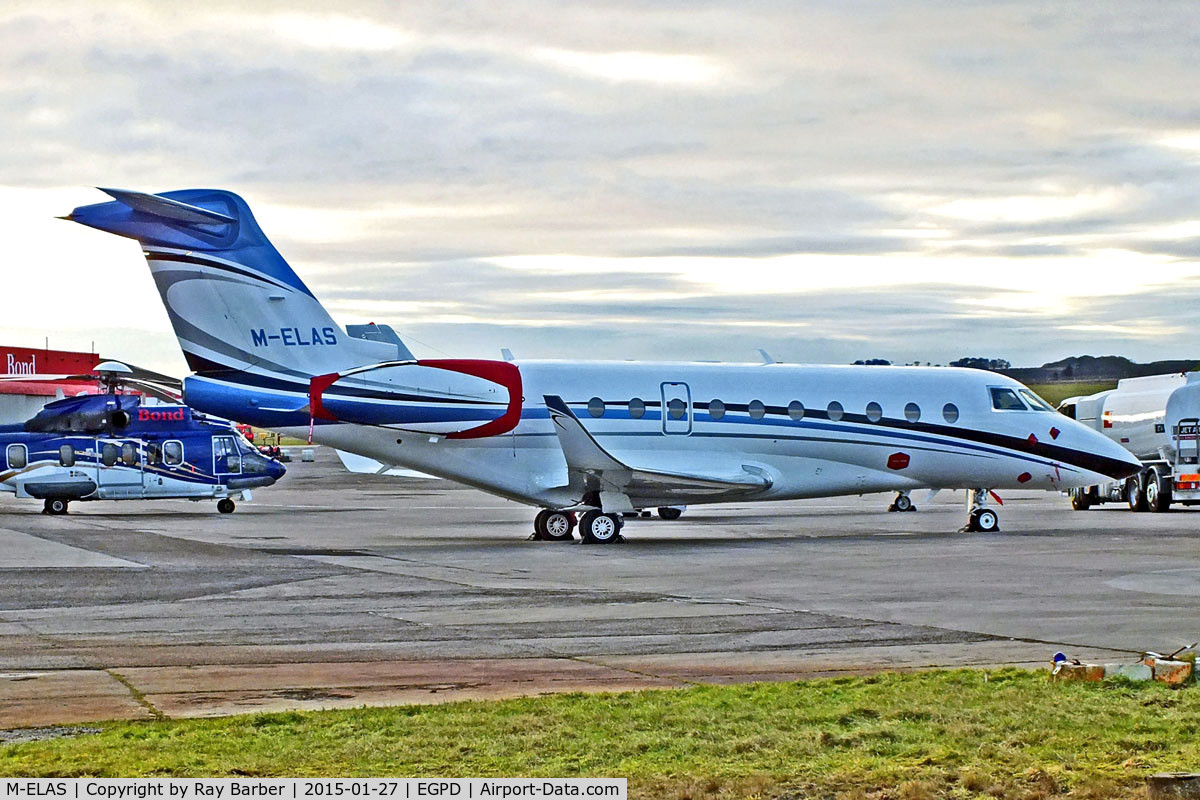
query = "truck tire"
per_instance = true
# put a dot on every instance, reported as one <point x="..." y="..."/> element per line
<point x="1135" y="495"/>
<point x="1081" y="499"/>
<point x="1158" y="492"/>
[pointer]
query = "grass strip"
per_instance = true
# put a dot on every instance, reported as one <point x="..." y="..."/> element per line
<point x="960" y="733"/>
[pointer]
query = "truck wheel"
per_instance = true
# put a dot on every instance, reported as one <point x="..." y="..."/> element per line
<point x="1135" y="496"/>
<point x="1158" y="492"/>
<point x="1081" y="499"/>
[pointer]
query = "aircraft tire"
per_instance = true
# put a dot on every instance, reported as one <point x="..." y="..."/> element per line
<point x="902" y="503"/>
<point x="669" y="513"/>
<point x="538" y="523"/>
<point x="1158" y="492"/>
<point x="1081" y="499"/>
<point x="984" y="520"/>
<point x="555" y="526"/>
<point x="55" y="506"/>
<point x="1135" y="495"/>
<point x="225" y="506"/>
<point x="598" y="528"/>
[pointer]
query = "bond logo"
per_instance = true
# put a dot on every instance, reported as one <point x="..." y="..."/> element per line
<point x="22" y="367"/>
<point x="151" y="415"/>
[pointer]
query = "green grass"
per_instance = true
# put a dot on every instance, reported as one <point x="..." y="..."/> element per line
<point x="1055" y="393"/>
<point x="961" y="733"/>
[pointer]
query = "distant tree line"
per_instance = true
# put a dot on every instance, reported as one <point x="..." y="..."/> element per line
<point x="982" y="363"/>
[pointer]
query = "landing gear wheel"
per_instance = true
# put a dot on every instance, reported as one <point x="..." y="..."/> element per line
<point x="1158" y="492"/>
<point x="1081" y="499"/>
<point x="597" y="528"/>
<point x="225" y="506"/>
<point x="555" y="526"/>
<point x="902" y="503"/>
<point x="55" y="506"/>
<point x="668" y="512"/>
<point x="1135" y="495"/>
<point x="984" y="520"/>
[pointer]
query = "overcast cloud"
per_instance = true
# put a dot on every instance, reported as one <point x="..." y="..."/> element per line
<point x="829" y="181"/>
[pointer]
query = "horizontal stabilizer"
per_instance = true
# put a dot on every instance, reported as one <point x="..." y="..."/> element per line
<point x="164" y="207"/>
<point x="592" y="468"/>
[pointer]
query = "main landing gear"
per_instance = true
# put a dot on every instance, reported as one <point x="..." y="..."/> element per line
<point x="55" y="506"/>
<point x="595" y="527"/>
<point x="225" y="506"/>
<point x="980" y="518"/>
<point x="902" y="502"/>
<point x="553" y="526"/>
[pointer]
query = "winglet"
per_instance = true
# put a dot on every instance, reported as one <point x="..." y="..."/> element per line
<point x="580" y="449"/>
<point x="167" y="208"/>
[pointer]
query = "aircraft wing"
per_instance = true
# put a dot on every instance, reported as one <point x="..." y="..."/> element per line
<point x="369" y="466"/>
<point x="623" y="486"/>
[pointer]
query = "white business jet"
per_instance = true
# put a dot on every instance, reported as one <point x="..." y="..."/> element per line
<point x="600" y="439"/>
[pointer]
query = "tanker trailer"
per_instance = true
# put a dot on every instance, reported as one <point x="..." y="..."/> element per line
<point x="1155" y="418"/>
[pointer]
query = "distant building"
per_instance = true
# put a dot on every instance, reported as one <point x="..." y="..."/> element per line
<point x="20" y="400"/>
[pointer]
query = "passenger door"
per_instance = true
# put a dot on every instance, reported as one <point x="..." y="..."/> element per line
<point x="119" y="473"/>
<point x="676" y="409"/>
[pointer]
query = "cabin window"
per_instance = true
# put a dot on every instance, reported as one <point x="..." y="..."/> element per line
<point x="835" y="410"/>
<point x="912" y="412"/>
<point x="874" y="412"/>
<point x="1035" y="402"/>
<point x="172" y="453"/>
<point x="108" y="455"/>
<point x="796" y="410"/>
<point x="66" y="455"/>
<point x="676" y="409"/>
<point x="18" y="456"/>
<point x="1006" y="400"/>
<point x="129" y="454"/>
<point x="637" y="408"/>
<point x="950" y="413"/>
<point x="153" y="454"/>
<point x="596" y="407"/>
<point x="757" y="409"/>
<point x="716" y="409"/>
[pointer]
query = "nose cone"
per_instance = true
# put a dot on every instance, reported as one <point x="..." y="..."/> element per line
<point x="275" y="470"/>
<point x="1105" y="458"/>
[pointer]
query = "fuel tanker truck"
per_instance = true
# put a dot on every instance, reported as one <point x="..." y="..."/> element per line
<point x="1156" y="418"/>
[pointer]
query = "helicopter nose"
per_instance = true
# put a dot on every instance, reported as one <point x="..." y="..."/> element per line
<point x="276" y="470"/>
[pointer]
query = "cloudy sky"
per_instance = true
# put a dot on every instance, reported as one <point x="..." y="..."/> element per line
<point x="682" y="180"/>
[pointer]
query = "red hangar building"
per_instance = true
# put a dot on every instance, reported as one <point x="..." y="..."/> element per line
<point x="20" y="400"/>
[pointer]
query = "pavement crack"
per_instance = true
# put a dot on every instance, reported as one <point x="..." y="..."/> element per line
<point x="138" y="696"/>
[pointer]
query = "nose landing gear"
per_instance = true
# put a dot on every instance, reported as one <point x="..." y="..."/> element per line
<point x="980" y="518"/>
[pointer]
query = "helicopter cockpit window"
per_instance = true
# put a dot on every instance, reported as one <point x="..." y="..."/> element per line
<point x="18" y="456"/>
<point x="1006" y="400"/>
<point x="172" y="453"/>
<point x="129" y="454"/>
<point x="108" y="455"/>
<point x="66" y="455"/>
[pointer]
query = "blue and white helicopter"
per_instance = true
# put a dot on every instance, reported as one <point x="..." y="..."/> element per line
<point x="115" y="446"/>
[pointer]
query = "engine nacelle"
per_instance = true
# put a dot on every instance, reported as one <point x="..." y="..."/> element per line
<point x="455" y="398"/>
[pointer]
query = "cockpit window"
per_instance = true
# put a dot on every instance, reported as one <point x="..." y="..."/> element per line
<point x="1035" y="402"/>
<point x="1006" y="400"/>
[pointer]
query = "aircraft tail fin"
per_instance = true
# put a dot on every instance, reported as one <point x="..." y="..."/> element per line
<point x="240" y="312"/>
